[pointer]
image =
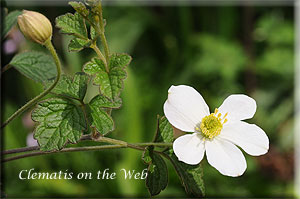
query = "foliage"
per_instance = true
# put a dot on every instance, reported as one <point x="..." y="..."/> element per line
<point x="63" y="119"/>
<point x="190" y="176"/>
<point x="59" y="121"/>
<point x="157" y="178"/>
<point x="35" y="65"/>
<point x="9" y="21"/>
<point x="110" y="80"/>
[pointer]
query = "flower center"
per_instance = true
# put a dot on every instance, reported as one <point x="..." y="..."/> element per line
<point x="212" y="124"/>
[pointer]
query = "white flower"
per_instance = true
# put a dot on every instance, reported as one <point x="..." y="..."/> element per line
<point x="217" y="133"/>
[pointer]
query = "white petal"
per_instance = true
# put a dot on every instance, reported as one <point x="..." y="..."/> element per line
<point x="238" y="107"/>
<point x="185" y="107"/>
<point x="252" y="139"/>
<point x="225" y="157"/>
<point x="189" y="148"/>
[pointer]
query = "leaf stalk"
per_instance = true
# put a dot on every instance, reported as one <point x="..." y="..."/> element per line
<point x="114" y="144"/>
<point x="50" y="47"/>
<point x="101" y="32"/>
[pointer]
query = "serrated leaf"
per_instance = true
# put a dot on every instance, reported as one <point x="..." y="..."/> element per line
<point x="74" y="88"/>
<point x="35" y="65"/>
<point x="9" y="21"/>
<point x="191" y="176"/>
<point x="157" y="177"/>
<point x="77" y="44"/>
<point x="59" y="121"/>
<point x="83" y="11"/>
<point x="104" y="102"/>
<point x="98" y="116"/>
<point x="72" y="24"/>
<point x="164" y="132"/>
<point x="80" y="8"/>
<point x="110" y="83"/>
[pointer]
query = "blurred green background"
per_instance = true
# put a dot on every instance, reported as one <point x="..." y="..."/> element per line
<point x="219" y="50"/>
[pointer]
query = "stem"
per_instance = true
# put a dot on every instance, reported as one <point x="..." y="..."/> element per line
<point x="111" y="141"/>
<point x="20" y="150"/>
<point x="78" y="149"/>
<point x="120" y="142"/>
<point x="115" y="144"/>
<point x="102" y="35"/>
<point x="100" y="55"/>
<point x="88" y="148"/>
<point x="100" y="30"/>
<point x="158" y="144"/>
<point x="32" y="102"/>
<point x="107" y="140"/>
<point x="5" y="68"/>
<point x="133" y="146"/>
<point x="85" y="118"/>
<point x="35" y="148"/>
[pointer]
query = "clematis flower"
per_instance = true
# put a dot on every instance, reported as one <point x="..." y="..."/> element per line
<point x="218" y="133"/>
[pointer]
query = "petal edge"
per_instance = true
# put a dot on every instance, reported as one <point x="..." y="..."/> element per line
<point x="251" y="138"/>
<point x="185" y="107"/>
<point x="189" y="148"/>
<point x="225" y="157"/>
<point x="238" y="107"/>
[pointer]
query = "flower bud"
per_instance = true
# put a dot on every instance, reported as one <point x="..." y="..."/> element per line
<point x="35" y="26"/>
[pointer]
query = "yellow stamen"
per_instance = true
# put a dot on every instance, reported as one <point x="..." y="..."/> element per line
<point x="212" y="125"/>
<point x="216" y="110"/>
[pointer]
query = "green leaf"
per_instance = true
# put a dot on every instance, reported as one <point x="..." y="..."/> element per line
<point x="59" y="121"/>
<point x="35" y="65"/>
<point x="9" y="21"/>
<point x="84" y="12"/>
<point x="93" y="32"/>
<point x="77" y="44"/>
<point x="72" y="24"/>
<point x="110" y="83"/>
<point x="191" y="176"/>
<point x="164" y="132"/>
<point x="157" y="177"/>
<point x="71" y="88"/>
<point x="80" y="8"/>
<point x="104" y="102"/>
<point x="98" y="115"/>
<point x="75" y="25"/>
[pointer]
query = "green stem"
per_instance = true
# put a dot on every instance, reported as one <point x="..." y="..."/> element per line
<point x="158" y="144"/>
<point x="100" y="55"/>
<point x="74" y="149"/>
<point x="111" y="141"/>
<point x="138" y="146"/>
<point x="126" y="144"/>
<point x="102" y="35"/>
<point x="35" y="148"/>
<point x="5" y="68"/>
<point x="32" y="102"/>
<point x="21" y="150"/>
<point x="123" y="144"/>
<point x="135" y="145"/>
<point x="115" y="144"/>
<point x="100" y="31"/>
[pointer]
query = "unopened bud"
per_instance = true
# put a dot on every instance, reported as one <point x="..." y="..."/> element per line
<point x="35" y="26"/>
